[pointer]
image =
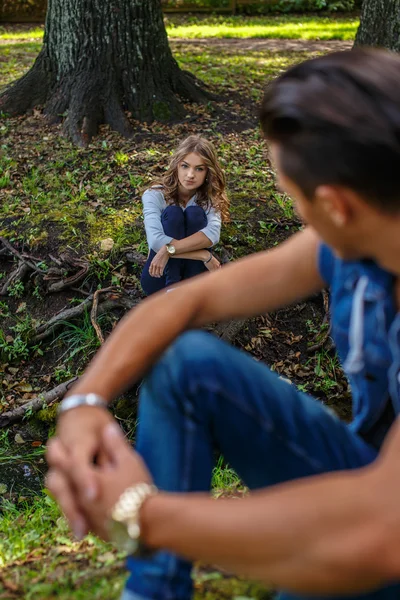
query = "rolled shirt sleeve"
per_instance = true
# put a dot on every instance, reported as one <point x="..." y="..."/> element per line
<point x="213" y="229"/>
<point x="153" y="206"/>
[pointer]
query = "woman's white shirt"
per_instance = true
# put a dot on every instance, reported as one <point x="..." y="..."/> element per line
<point x="153" y="206"/>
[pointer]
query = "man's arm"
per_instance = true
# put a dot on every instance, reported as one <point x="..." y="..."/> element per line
<point x="254" y="285"/>
<point x="327" y="534"/>
<point x="251" y="286"/>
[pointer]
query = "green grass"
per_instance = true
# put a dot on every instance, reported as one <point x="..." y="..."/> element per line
<point x="41" y="559"/>
<point x="302" y="27"/>
<point x="283" y="27"/>
<point x="32" y="34"/>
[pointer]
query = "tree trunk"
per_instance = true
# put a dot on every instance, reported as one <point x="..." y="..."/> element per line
<point x="100" y="58"/>
<point x="379" y="24"/>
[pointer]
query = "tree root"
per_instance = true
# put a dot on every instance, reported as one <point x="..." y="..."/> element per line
<point x="120" y="301"/>
<point x="33" y="406"/>
<point x="230" y="330"/>
<point x="326" y="320"/>
<point x="136" y="258"/>
<point x="18" y="274"/>
<point x="21" y="257"/>
<point x="46" y="329"/>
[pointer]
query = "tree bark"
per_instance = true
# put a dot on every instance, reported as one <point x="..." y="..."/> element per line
<point x="379" y="24"/>
<point x="99" y="59"/>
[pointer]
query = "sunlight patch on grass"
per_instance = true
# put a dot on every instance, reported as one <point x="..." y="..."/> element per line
<point x="302" y="28"/>
<point x="25" y="34"/>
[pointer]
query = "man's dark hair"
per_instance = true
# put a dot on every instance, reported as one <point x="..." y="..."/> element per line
<point x="336" y="120"/>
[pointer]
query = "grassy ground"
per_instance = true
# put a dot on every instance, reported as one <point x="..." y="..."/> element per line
<point x="303" y="27"/>
<point x="55" y="198"/>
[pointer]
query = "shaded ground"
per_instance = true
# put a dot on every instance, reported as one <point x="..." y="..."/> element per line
<point x="246" y="45"/>
<point x="57" y="205"/>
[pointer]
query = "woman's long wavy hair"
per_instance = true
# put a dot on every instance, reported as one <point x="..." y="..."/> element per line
<point x="212" y="192"/>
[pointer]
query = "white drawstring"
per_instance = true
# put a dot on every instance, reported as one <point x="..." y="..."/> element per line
<point x="355" y="359"/>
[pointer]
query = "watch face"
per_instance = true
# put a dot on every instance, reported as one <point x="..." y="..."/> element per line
<point x="120" y="537"/>
<point x="171" y="249"/>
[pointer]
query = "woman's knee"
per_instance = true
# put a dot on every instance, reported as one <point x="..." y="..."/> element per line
<point x="173" y="221"/>
<point x="196" y="219"/>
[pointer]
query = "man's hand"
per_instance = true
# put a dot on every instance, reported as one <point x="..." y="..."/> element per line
<point x="121" y="468"/>
<point x="159" y="263"/>
<point x="78" y="441"/>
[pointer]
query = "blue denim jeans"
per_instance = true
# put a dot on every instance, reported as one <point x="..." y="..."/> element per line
<point x="204" y="395"/>
<point x="178" y="224"/>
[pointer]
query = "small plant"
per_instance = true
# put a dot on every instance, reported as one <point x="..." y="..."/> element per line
<point x="12" y="348"/>
<point x="266" y="227"/>
<point x="224" y="477"/>
<point x="80" y="338"/>
<point x="62" y="373"/>
<point x="36" y="293"/>
<point x="4" y="310"/>
<point x="285" y="203"/>
<point x="16" y="289"/>
<point x="121" y="159"/>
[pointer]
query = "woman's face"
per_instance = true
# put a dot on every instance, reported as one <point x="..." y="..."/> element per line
<point x="192" y="172"/>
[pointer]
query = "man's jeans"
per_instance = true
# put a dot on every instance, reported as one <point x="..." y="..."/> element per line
<point x="205" y="395"/>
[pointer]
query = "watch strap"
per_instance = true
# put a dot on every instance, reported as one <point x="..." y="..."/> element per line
<point x="81" y="400"/>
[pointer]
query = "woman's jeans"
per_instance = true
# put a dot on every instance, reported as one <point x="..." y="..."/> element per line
<point x="204" y="395"/>
<point x="178" y="224"/>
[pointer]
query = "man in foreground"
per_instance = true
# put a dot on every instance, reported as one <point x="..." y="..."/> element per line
<point x="331" y="523"/>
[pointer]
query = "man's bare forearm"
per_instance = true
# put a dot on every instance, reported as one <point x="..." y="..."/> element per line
<point x="320" y="535"/>
<point x="257" y="284"/>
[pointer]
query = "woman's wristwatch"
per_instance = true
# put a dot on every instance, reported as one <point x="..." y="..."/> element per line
<point x="171" y="249"/>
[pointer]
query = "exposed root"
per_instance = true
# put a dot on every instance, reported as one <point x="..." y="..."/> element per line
<point x="55" y="322"/>
<point x="18" y="274"/>
<point x="136" y="258"/>
<point x="43" y="400"/>
<point x="120" y="301"/>
<point x="326" y="321"/>
<point x="230" y="330"/>
<point x="31" y="90"/>
<point x="21" y="257"/>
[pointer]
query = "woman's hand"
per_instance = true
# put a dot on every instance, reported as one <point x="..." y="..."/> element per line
<point x="213" y="264"/>
<point x="159" y="263"/>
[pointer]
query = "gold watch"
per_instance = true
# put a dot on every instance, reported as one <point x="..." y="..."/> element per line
<point x="171" y="249"/>
<point x="124" y="523"/>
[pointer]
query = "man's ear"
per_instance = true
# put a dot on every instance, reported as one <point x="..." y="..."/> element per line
<point x="334" y="203"/>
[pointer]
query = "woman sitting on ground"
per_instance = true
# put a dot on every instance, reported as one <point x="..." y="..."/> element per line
<point x="182" y="216"/>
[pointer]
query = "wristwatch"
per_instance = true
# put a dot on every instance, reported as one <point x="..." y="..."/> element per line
<point x="124" y="522"/>
<point x="171" y="249"/>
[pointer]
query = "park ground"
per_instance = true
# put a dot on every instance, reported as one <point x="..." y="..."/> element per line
<point x="60" y="206"/>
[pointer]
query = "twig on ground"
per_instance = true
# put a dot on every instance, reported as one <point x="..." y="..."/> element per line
<point x="93" y="312"/>
<point x="32" y="406"/>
